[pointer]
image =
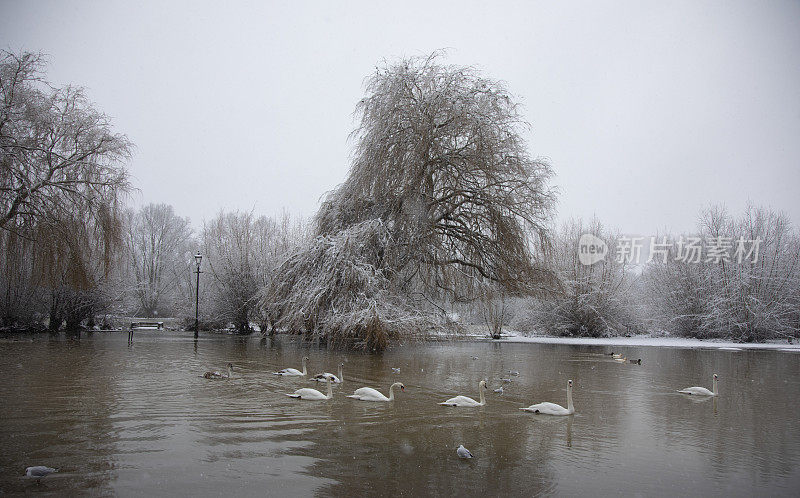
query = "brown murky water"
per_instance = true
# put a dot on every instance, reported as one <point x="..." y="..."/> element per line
<point x="140" y="420"/>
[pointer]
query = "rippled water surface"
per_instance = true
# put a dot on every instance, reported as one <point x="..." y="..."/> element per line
<point x="140" y="419"/>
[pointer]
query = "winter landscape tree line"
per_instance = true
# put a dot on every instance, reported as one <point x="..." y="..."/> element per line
<point x="445" y="219"/>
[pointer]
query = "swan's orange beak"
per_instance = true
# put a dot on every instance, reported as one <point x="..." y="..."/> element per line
<point x="403" y="388"/>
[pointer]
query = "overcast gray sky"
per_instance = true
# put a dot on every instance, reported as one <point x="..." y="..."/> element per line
<point x="648" y="111"/>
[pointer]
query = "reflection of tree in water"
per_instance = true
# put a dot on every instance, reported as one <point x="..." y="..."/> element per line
<point x="56" y="411"/>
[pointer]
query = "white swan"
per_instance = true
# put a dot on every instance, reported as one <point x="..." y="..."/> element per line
<point x="313" y="394"/>
<point x="701" y="391"/>
<point x="325" y="376"/>
<point x="216" y="374"/>
<point x="552" y="408"/>
<point x="370" y="394"/>
<point x="293" y="372"/>
<point x="467" y="401"/>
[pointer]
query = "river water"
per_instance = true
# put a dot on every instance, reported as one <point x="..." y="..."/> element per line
<point x="139" y="419"/>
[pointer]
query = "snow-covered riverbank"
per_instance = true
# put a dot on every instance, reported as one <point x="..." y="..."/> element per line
<point x="649" y="341"/>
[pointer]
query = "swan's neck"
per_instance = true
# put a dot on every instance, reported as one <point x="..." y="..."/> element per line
<point x="569" y="399"/>
<point x="230" y="372"/>
<point x="304" y="367"/>
<point x="714" y="386"/>
<point x="330" y="389"/>
<point x="482" y="399"/>
<point x="391" y="392"/>
<point x="341" y="377"/>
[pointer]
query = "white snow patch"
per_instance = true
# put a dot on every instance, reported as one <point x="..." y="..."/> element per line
<point x="649" y="341"/>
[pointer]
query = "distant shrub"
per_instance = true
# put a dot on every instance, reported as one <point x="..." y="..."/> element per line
<point x="744" y="299"/>
<point x="594" y="300"/>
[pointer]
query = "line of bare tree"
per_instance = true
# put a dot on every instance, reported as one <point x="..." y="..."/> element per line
<point x="444" y="212"/>
<point x="692" y="286"/>
<point x="750" y="296"/>
<point x="72" y="253"/>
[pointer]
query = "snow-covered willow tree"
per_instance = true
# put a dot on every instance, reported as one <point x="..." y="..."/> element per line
<point x="79" y="260"/>
<point x="21" y="296"/>
<point x="57" y="152"/>
<point x="442" y="196"/>
<point x="61" y="180"/>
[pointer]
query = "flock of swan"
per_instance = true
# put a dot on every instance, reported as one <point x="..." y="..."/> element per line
<point x="370" y="394"/>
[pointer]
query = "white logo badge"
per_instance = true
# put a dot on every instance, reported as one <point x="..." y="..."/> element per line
<point x="591" y="249"/>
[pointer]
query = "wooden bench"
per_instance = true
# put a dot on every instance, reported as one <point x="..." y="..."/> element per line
<point x="147" y="325"/>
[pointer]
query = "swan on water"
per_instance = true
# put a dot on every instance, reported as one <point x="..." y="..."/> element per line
<point x="467" y="401"/>
<point x="552" y="408"/>
<point x="702" y="391"/>
<point x="293" y="372"/>
<point x="370" y="394"/>
<point x="313" y="394"/>
<point x="463" y="452"/>
<point x="216" y="374"/>
<point x="325" y="376"/>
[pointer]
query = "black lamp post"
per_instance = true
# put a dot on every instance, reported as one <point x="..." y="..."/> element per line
<point x="197" y="259"/>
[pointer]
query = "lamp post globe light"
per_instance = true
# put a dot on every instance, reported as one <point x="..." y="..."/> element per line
<point x="197" y="258"/>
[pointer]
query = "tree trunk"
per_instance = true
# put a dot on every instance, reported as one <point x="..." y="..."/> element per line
<point x="55" y="312"/>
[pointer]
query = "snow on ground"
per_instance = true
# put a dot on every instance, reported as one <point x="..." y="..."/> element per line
<point x="646" y="340"/>
<point x="477" y="332"/>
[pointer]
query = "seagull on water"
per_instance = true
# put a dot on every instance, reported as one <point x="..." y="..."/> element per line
<point x="463" y="452"/>
<point x="39" y="471"/>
